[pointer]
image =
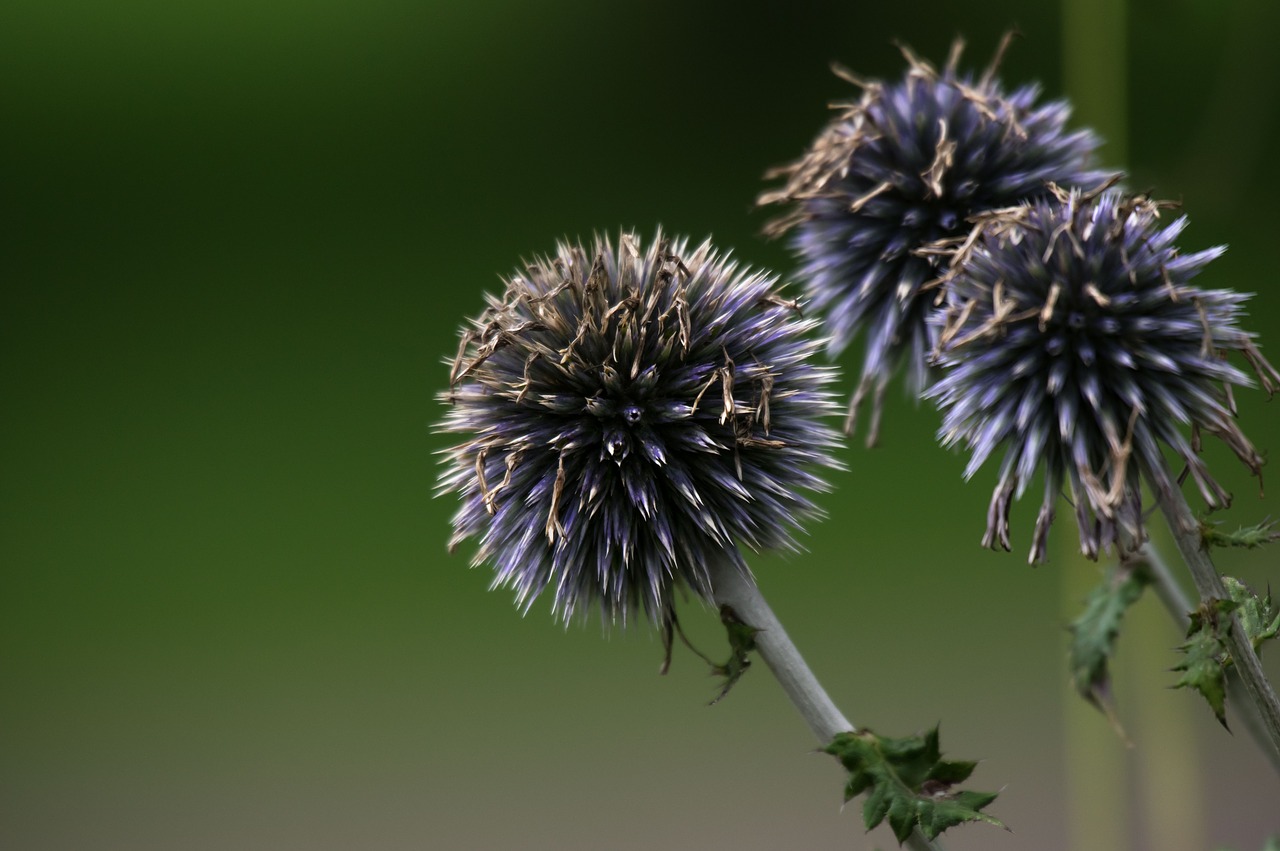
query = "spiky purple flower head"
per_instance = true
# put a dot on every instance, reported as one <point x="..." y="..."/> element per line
<point x="888" y="186"/>
<point x="1074" y="344"/>
<point x="632" y="416"/>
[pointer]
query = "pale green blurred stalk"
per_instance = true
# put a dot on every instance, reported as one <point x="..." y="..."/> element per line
<point x="1099" y="809"/>
<point x="1094" y="756"/>
<point x="1095" y="79"/>
<point x="1095" y="70"/>
<point x="1169" y="792"/>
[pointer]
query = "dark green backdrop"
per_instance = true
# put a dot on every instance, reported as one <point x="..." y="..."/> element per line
<point x="239" y="238"/>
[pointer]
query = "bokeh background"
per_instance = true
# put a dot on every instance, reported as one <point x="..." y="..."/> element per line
<point x="239" y="238"/>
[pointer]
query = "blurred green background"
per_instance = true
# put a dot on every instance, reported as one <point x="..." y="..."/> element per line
<point x="238" y="241"/>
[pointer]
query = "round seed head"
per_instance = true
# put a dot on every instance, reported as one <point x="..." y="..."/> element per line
<point x="1074" y="344"/>
<point x="885" y="191"/>
<point x="632" y="415"/>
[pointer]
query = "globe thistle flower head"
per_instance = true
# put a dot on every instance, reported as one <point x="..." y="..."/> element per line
<point x="887" y="188"/>
<point x="631" y="416"/>
<point x="1074" y="344"/>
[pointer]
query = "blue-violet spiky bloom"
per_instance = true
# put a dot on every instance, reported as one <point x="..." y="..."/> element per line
<point x="1073" y="342"/>
<point x="634" y="415"/>
<point x="886" y="188"/>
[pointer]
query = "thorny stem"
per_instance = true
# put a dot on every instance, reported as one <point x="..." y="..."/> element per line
<point x="731" y="587"/>
<point x="1179" y="606"/>
<point x="1186" y="533"/>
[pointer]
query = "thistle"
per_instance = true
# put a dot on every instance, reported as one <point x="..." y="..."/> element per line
<point x="1073" y="342"/>
<point x="634" y="417"/>
<point x="886" y="189"/>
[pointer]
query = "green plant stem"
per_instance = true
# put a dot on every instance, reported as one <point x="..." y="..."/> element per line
<point x="1186" y="534"/>
<point x="1179" y="605"/>
<point x="732" y="588"/>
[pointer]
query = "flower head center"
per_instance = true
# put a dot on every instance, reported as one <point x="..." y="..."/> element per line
<point x="617" y="418"/>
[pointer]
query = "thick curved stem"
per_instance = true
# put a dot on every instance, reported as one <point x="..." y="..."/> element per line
<point x="732" y="588"/>
<point x="819" y="711"/>
<point x="1186" y="534"/>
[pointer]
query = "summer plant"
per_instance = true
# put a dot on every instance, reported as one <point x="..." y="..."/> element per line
<point x="634" y="413"/>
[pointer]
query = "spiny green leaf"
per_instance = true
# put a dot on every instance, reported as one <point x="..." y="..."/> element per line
<point x="964" y="806"/>
<point x="1257" y="615"/>
<point x="1204" y="670"/>
<point x="1205" y="666"/>
<point x="1248" y="537"/>
<point x="908" y="783"/>
<point x="742" y="640"/>
<point x="1207" y="654"/>
<point x="1094" y="633"/>
<point x="951" y="773"/>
